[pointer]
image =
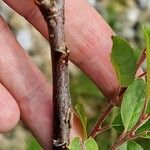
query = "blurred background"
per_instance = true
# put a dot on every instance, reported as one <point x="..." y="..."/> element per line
<point x="125" y="17"/>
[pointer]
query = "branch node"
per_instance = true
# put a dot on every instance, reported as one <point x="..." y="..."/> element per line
<point x="58" y="143"/>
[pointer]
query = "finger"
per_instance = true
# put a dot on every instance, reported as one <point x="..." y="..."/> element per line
<point x="9" y="110"/>
<point x="27" y="85"/>
<point x="87" y="35"/>
<point x="30" y="12"/>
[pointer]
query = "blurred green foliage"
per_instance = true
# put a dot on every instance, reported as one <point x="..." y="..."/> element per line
<point x="85" y="92"/>
<point x="32" y="144"/>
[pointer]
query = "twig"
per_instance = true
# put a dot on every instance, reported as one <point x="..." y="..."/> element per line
<point x="127" y="137"/>
<point x="143" y="74"/>
<point x="113" y="102"/>
<point x="102" y="129"/>
<point x="53" y="13"/>
<point x="101" y="119"/>
<point x="141" y="59"/>
<point x="130" y="135"/>
<point x="97" y="127"/>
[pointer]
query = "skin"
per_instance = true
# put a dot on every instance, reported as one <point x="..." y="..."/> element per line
<point x="21" y="96"/>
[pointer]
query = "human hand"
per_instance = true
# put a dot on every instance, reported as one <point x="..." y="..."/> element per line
<point x="23" y="89"/>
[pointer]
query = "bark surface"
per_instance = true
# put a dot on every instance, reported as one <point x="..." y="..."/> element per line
<point x="53" y="13"/>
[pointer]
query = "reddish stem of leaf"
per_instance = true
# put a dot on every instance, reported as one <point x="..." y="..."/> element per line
<point x="130" y="135"/>
<point x="142" y="59"/>
<point x="142" y="75"/>
<point x="97" y="127"/>
<point x="101" y="119"/>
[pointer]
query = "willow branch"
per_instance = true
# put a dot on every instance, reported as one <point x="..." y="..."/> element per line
<point x="53" y="13"/>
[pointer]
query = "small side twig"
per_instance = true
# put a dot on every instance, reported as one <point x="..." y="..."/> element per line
<point x="130" y="135"/>
<point x="97" y="127"/>
<point x="113" y="102"/>
<point x="102" y="129"/>
<point x="142" y="75"/>
<point x="142" y="59"/>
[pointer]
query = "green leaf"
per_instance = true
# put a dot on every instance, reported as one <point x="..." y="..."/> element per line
<point x="131" y="145"/>
<point x="145" y="143"/>
<point x="32" y="144"/>
<point x="123" y="60"/>
<point x="137" y="54"/>
<point x="147" y="40"/>
<point x="148" y="107"/>
<point x="81" y="113"/>
<point x="144" y="127"/>
<point x="75" y="144"/>
<point x="133" y="103"/>
<point x="90" y="144"/>
<point x="117" y="124"/>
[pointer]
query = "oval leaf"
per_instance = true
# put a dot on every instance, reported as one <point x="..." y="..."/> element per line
<point x="124" y="61"/>
<point x="147" y="40"/>
<point x="137" y="54"/>
<point x="133" y="103"/>
<point x="75" y="144"/>
<point x="131" y="145"/>
<point x="90" y="144"/>
<point x="117" y="124"/>
<point x="81" y="114"/>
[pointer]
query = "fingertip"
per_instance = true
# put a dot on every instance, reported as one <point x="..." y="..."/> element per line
<point x="9" y="111"/>
<point x="9" y="117"/>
